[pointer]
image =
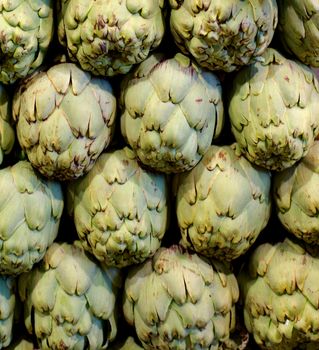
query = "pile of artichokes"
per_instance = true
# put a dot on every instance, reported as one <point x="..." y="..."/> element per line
<point x="159" y="174"/>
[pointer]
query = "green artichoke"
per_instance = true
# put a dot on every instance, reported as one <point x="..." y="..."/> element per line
<point x="107" y="37"/>
<point x="222" y="204"/>
<point x="296" y="195"/>
<point x="26" y="28"/>
<point x="273" y="111"/>
<point x="7" y="133"/>
<point x="7" y="305"/>
<point x="298" y="28"/>
<point x="30" y="212"/>
<point x="69" y="300"/>
<point x="120" y="209"/>
<point x="223" y="34"/>
<point x="65" y="119"/>
<point x="171" y="112"/>
<point x="280" y="296"/>
<point x="178" y="300"/>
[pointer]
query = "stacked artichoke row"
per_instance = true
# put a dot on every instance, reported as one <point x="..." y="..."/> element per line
<point x="159" y="174"/>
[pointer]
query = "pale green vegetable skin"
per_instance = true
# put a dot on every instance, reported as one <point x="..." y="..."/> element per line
<point x="65" y="119"/>
<point x="107" y="37"/>
<point x="30" y="212"/>
<point x="7" y="134"/>
<point x="273" y="111"/>
<point x="120" y="209"/>
<point x="280" y="295"/>
<point x="223" y="34"/>
<point x="222" y="204"/>
<point x="26" y="32"/>
<point x="71" y="300"/>
<point x="177" y="300"/>
<point x="298" y="28"/>
<point x="7" y="305"/>
<point x="296" y="195"/>
<point x="171" y="112"/>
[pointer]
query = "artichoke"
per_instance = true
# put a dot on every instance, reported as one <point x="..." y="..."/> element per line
<point x="222" y="204"/>
<point x="65" y="119"/>
<point x="296" y="195"/>
<point x="177" y="300"/>
<point x="120" y="209"/>
<point x="7" y="305"/>
<point x="280" y="296"/>
<point x="273" y="110"/>
<point x="30" y="212"/>
<point x="298" y="28"/>
<point x="172" y="110"/>
<point x="69" y="300"/>
<point x="107" y="37"/>
<point x="26" y="28"/>
<point x="223" y="34"/>
<point x="7" y="133"/>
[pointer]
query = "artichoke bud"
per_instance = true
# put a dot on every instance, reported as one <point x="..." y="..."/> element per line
<point x="65" y="119"/>
<point x="120" y="209"/>
<point x="279" y="296"/>
<point x="26" y="32"/>
<point x="273" y="109"/>
<point x="296" y="197"/>
<point x="108" y="37"/>
<point x="70" y="300"/>
<point x="30" y="213"/>
<point x="178" y="300"/>
<point x="212" y="220"/>
<point x="171" y="112"/>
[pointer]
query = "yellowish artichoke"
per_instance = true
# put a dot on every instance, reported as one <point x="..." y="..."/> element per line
<point x="273" y="110"/>
<point x="222" y="204"/>
<point x="65" y="119"/>
<point x="223" y="34"/>
<point x="296" y="195"/>
<point x="108" y="37"/>
<point x="171" y="112"/>
<point x="26" y="28"/>
<point x="120" y="209"/>
<point x="280" y="296"/>
<point x="69" y="300"/>
<point x="178" y="300"/>
<point x="30" y="213"/>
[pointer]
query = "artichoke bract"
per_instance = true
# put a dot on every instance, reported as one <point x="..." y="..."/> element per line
<point x="120" y="209"/>
<point x="65" y="119"/>
<point x="7" y="306"/>
<point x="296" y="195"/>
<point x="107" y="37"/>
<point x="69" y="300"/>
<point x="273" y="110"/>
<point x="177" y="300"/>
<point x="298" y="29"/>
<point x="171" y="112"/>
<point x="223" y="34"/>
<point x="222" y="204"/>
<point x="7" y="133"/>
<point x="280" y="296"/>
<point x="30" y="213"/>
<point x="26" y="32"/>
